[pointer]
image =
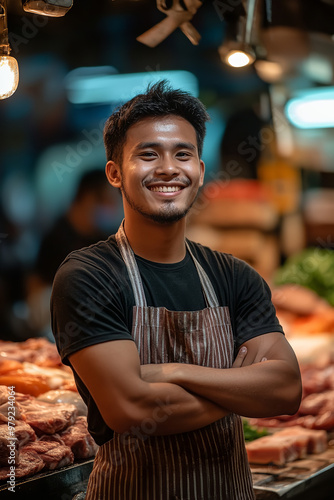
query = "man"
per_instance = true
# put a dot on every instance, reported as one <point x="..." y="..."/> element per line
<point x="151" y="323"/>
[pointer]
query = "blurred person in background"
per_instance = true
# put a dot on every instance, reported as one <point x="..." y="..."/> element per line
<point x="92" y="216"/>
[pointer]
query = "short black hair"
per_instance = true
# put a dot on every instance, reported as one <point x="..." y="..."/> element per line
<point x="160" y="99"/>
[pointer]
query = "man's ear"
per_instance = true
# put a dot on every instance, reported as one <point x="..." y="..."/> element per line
<point x="202" y="166"/>
<point x="113" y="173"/>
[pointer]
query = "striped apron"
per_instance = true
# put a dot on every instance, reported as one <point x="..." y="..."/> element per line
<point x="206" y="464"/>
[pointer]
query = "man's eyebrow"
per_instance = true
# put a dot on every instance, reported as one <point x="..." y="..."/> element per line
<point x="185" y="145"/>
<point x="146" y="145"/>
<point x="179" y="145"/>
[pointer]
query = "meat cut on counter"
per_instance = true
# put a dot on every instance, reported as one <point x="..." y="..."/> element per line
<point x="39" y="351"/>
<point x="46" y="436"/>
<point x="46" y="418"/>
<point x="54" y="454"/>
<point x="77" y="438"/>
<point x="286" y="446"/>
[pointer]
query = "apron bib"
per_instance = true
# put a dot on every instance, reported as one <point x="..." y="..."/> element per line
<point x="207" y="464"/>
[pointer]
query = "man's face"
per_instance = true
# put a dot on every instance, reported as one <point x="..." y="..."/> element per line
<point x="161" y="170"/>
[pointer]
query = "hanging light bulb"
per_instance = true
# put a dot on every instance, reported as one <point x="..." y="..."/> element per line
<point x="236" y="51"/>
<point x="9" y="70"/>
<point x="239" y="58"/>
<point x="9" y="76"/>
<point x="236" y="54"/>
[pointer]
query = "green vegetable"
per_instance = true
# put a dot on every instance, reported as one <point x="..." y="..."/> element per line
<point x="251" y="432"/>
<point x="312" y="268"/>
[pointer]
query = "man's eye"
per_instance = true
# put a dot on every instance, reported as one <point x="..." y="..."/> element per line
<point x="147" y="154"/>
<point x="183" y="154"/>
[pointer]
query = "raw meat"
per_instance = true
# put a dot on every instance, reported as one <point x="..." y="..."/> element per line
<point x="35" y="350"/>
<point x="79" y="439"/>
<point x="53" y="454"/>
<point x="61" y="396"/>
<point x="317" y="439"/>
<point x="23" y="432"/>
<point x="286" y="445"/>
<point x="316" y="404"/>
<point x="54" y="377"/>
<point x="46" y="418"/>
<point x="4" y="446"/>
<point x="267" y="450"/>
<point x="14" y="411"/>
<point x="25" y="383"/>
<point x="324" y="421"/>
<point x="18" y="435"/>
<point x="3" y="394"/>
<point x="8" y="365"/>
<point x="30" y="463"/>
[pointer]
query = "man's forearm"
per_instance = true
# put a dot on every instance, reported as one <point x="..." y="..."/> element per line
<point x="260" y="390"/>
<point x="167" y="408"/>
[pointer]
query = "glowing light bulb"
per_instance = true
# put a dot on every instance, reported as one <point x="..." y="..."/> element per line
<point x="238" y="59"/>
<point x="9" y="76"/>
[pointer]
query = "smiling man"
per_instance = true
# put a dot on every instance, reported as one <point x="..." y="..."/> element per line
<point x="169" y="342"/>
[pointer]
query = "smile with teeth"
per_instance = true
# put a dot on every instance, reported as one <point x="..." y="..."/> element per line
<point x="165" y="189"/>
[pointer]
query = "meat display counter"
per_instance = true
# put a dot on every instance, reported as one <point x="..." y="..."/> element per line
<point x="68" y="483"/>
<point x="307" y="479"/>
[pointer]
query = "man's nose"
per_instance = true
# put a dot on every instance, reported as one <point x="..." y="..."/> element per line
<point x="167" y="166"/>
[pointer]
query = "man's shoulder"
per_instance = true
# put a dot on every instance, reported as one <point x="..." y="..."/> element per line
<point x="222" y="264"/>
<point x="203" y="252"/>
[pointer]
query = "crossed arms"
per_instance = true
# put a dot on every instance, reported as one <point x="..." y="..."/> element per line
<point x="264" y="381"/>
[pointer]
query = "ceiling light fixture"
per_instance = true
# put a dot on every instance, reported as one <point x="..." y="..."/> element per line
<point x="9" y="70"/>
<point x="238" y="52"/>
<point x="239" y="58"/>
<point x="50" y="8"/>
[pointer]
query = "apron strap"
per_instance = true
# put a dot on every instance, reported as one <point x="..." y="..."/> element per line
<point x="135" y="278"/>
<point x="208" y="290"/>
<point x="131" y="265"/>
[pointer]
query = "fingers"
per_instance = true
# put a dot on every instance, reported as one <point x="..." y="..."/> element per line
<point x="240" y="357"/>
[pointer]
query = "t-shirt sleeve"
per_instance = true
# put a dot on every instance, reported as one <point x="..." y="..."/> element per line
<point x="86" y="308"/>
<point x="254" y="312"/>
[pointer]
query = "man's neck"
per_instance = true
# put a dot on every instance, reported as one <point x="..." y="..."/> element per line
<point x="164" y="243"/>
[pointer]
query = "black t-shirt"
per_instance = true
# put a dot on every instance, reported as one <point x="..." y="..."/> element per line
<point x="92" y="301"/>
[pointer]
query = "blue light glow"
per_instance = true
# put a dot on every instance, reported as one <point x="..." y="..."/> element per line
<point x="104" y="89"/>
<point x="313" y="108"/>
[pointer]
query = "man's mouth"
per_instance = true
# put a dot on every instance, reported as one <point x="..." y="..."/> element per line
<point x="165" y="189"/>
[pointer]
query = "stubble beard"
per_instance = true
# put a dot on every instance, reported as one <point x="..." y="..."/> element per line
<point x="167" y="214"/>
